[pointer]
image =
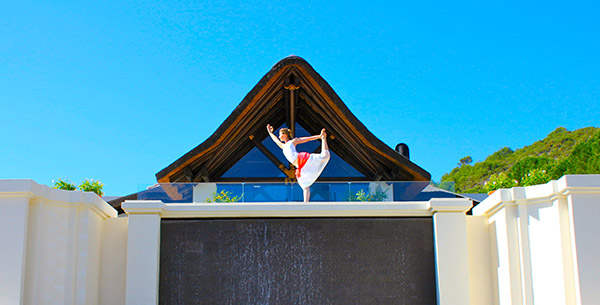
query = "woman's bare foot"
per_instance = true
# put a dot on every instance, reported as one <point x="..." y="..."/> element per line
<point x="323" y="134"/>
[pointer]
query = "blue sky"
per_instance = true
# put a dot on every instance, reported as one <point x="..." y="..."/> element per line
<point x="118" y="90"/>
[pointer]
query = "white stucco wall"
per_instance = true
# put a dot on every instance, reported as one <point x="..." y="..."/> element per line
<point x="544" y="242"/>
<point x="480" y="276"/>
<point x="531" y="245"/>
<point x="113" y="256"/>
<point x="13" y="244"/>
<point x="51" y="244"/>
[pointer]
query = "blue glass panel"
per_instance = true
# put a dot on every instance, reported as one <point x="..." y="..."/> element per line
<point x="265" y="192"/>
<point x="183" y="192"/>
<point x="339" y="191"/>
<point x="320" y="192"/>
<point x="410" y="190"/>
<point x="356" y="187"/>
<point x="232" y="190"/>
<point x="291" y="192"/>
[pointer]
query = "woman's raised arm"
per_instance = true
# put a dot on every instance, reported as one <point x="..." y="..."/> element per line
<point x="274" y="137"/>
<point x="308" y="139"/>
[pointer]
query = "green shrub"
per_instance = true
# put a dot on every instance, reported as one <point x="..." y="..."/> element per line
<point x="63" y="185"/>
<point x="499" y="181"/>
<point x="223" y="196"/>
<point x="89" y="185"/>
<point x="363" y="196"/>
<point x="534" y="177"/>
<point x="523" y="168"/>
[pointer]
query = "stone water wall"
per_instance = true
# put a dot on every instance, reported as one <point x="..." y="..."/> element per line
<point x="297" y="261"/>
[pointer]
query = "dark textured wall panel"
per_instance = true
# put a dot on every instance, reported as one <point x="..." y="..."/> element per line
<point x="297" y="261"/>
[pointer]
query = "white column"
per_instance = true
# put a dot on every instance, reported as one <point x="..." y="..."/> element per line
<point x="13" y="242"/>
<point x="507" y="253"/>
<point x="451" y="250"/>
<point x="583" y="200"/>
<point x="585" y="228"/>
<point x="143" y="247"/>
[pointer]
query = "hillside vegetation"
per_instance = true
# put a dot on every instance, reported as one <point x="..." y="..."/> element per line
<point x="561" y="152"/>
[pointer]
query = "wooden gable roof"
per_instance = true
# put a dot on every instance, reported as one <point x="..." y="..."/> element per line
<point x="292" y="92"/>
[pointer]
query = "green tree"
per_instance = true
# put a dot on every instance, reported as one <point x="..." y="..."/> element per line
<point x="465" y="160"/>
<point x="585" y="158"/>
<point x="524" y="167"/>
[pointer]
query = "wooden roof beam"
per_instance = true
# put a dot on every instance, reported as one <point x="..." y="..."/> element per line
<point x="354" y="149"/>
<point x="189" y="175"/>
<point x="201" y="175"/>
<point x="340" y="145"/>
<point x="290" y="173"/>
<point x="291" y="85"/>
<point x="247" y="125"/>
<point x="244" y="146"/>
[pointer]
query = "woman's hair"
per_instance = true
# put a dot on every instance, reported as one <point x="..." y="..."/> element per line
<point x="287" y="132"/>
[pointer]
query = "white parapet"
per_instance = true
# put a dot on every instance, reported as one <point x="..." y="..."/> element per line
<point x="50" y="243"/>
<point x="545" y="241"/>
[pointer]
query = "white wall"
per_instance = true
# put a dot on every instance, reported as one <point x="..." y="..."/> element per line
<point x="51" y="243"/>
<point x="544" y="242"/>
<point x="113" y="261"/>
<point x="480" y="278"/>
<point x="13" y="243"/>
<point x="531" y="245"/>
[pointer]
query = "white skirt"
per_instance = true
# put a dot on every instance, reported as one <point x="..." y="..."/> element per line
<point x="312" y="169"/>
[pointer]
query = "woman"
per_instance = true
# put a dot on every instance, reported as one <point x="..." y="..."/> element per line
<point x="308" y="166"/>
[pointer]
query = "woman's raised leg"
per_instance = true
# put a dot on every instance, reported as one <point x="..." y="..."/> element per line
<point x="324" y="147"/>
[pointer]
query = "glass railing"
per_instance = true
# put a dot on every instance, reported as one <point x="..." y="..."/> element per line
<point x="291" y="192"/>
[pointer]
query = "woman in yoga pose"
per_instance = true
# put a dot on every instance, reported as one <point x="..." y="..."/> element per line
<point x="308" y="166"/>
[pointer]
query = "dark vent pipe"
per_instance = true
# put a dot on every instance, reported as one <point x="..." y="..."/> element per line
<point x="402" y="149"/>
